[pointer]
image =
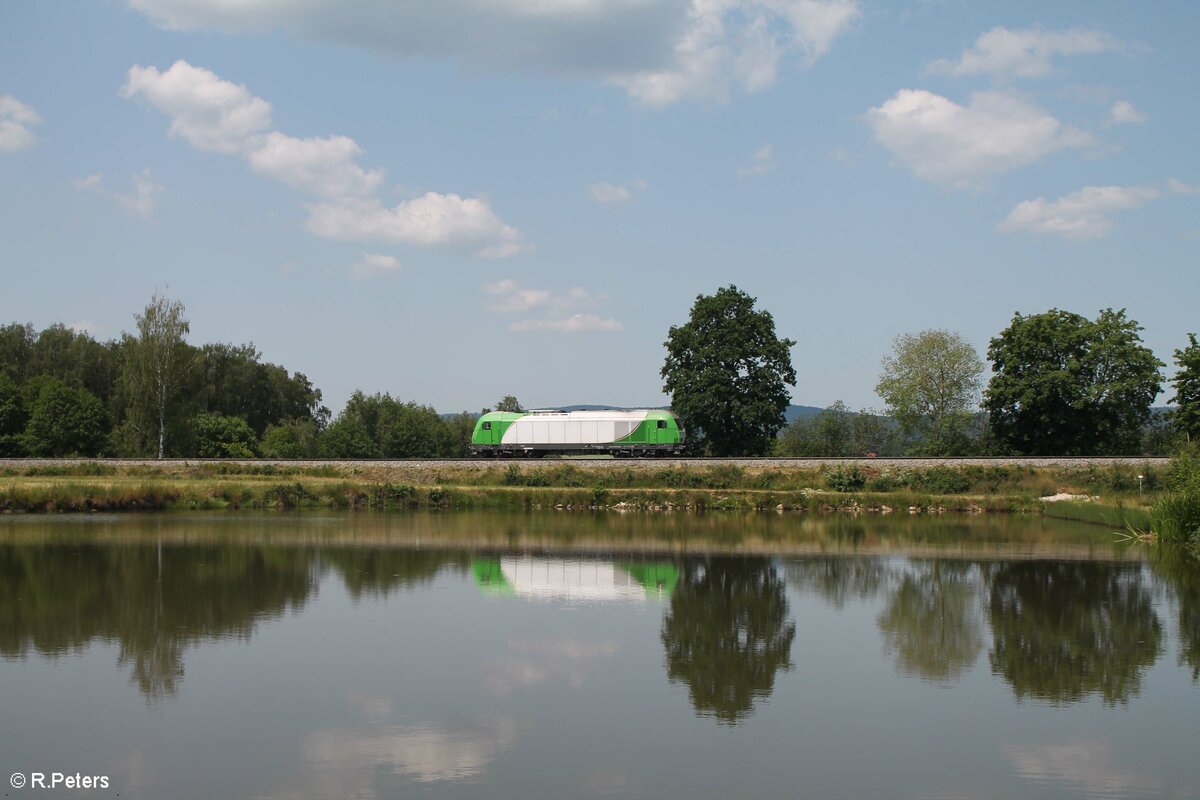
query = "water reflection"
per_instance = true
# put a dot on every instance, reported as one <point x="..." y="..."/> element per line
<point x="1085" y="765"/>
<point x="1180" y="568"/>
<point x="1064" y="630"/>
<point x="346" y="760"/>
<point x="573" y="580"/>
<point x="153" y="602"/>
<point x="727" y="633"/>
<point x="931" y="621"/>
<point x="376" y="572"/>
<point x="1057" y="631"/>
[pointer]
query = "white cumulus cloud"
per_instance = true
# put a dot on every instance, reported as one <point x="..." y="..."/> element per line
<point x="374" y="264"/>
<point x="1085" y="214"/>
<point x="321" y="166"/>
<point x="143" y="200"/>
<point x="575" y="323"/>
<point x="659" y="51"/>
<point x="609" y="194"/>
<point x="207" y="112"/>
<point x="944" y="142"/>
<point x="1123" y="113"/>
<point x="762" y="163"/>
<point x="16" y="121"/>
<point x="217" y="115"/>
<point x="1028" y="53"/>
<point x="432" y="219"/>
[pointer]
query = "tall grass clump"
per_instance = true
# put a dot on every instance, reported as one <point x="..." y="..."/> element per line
<point x="1176" y="518"/>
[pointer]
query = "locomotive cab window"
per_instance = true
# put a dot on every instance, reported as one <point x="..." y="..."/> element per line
<point x="662" y="423"/>
<point x="487" y="426"/>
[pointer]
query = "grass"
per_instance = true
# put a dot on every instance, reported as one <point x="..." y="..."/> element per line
<point x="615" y="484"/>
<point x="1176" y="518"/>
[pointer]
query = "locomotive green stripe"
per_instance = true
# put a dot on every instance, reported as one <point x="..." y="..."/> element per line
<point x="501" y="420"/>
<point x="648" y="432"/>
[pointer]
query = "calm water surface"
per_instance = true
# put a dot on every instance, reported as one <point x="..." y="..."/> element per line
<point x="568" y="655"/>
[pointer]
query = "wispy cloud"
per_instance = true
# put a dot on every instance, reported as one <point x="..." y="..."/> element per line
<point x="615" y="194"/>
<point x="508" y="297"/>
<point x="1085" y="214"/>
<point x="576" y="323"/>
<point x="91" y="182"/>
<point x="143" y="200"/>
<point x="372" y="265"/>
<point x="1122" y="112"/>
<point x="1028" y="53"/>
<point x="762" y="163"/>
<point x="16" y="124"/>
<point x="1176" y="186"/>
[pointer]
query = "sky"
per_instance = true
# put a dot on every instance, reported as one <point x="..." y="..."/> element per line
<point x="460" y="200"/>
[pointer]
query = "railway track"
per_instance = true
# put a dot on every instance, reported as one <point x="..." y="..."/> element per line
<point x="599" y="462"/>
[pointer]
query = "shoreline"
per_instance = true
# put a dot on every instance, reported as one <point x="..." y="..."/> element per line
<point x="652" y="486"/>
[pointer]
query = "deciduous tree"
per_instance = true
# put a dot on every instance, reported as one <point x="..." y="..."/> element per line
<point x="1066" y="385"/>
<point x="509" y="403"/>
<point x="65" y="422"/>
<point x="156" y="364"/>
<point x="1186" y="415"/>
<point x="221" y="436"/>
<point x="930" y="384"/>
<point x="727" y="374"/>
<point x="12" y="417"/>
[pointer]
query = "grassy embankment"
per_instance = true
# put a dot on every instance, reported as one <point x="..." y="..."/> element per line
<point x="621" y="485"/>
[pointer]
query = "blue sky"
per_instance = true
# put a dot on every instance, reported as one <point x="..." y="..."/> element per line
<point x="458" y="200"/>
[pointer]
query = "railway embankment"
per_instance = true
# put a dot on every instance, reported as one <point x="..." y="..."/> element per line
<point x="1104" y="488"/>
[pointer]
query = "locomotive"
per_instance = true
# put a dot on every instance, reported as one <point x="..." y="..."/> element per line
<point x="643" y="432"/>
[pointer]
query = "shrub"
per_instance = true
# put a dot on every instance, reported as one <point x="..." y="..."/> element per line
<point x="941" y="480"/>
<point x="512" y="476"/>
<point x="1183" y="474"/>
<point x="884" y="482"/>
<point x="846" y="479"/>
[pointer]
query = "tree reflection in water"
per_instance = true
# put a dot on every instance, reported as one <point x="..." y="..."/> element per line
<point x="931" y="621"/>
<point x="840" y="579"/>
<point x="1062" y="631"/>
<point x="155" y="602"/>
<point x="1180" y="568"/>
<point x="727" y="633"/>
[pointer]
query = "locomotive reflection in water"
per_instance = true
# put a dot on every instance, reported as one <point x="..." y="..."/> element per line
<point x="575" y="580"/>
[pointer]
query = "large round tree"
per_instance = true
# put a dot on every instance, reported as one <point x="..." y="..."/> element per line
<point x="727" y="374"/>
<point x="1186" y="416"/>
<point x="1066" y="385"/>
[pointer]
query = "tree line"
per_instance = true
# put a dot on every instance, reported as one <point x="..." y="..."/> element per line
<point x="1060" y="384"/>
<point x="152" y="394"/>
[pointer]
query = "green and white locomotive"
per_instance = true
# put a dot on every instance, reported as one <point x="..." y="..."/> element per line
<point x="540" y="433"/>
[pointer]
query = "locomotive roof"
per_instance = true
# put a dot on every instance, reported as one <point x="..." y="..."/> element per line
<point x="633" y="414"/>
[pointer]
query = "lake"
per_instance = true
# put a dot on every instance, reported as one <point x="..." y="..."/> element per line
<point x="531" y="655"/>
